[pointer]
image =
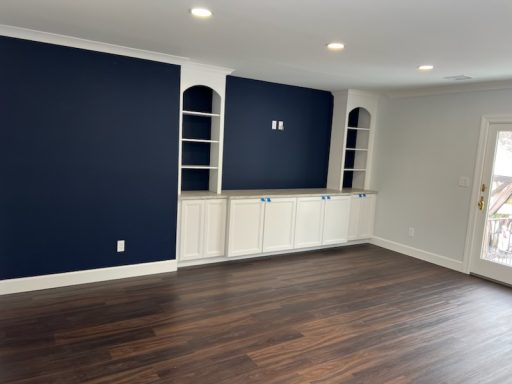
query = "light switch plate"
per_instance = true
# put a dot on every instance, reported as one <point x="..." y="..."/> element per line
<point x="281" y="125"/>
<point x="120" y="245"/>
<point x="274" y="125"/>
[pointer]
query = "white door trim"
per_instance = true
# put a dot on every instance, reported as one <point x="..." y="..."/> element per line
<point x="487" y="120"/>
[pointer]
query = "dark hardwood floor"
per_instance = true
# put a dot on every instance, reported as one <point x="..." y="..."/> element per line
<point x="358" y="314"/>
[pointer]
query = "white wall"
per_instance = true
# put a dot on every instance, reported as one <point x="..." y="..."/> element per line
<point x="423" y="145"/>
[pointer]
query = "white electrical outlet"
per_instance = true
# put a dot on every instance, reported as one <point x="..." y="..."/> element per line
<point x="281" y="125"/>
<point x="464" y="182"/>
<point x="120" y="245"/>
<point x="412" y="231"/>
<point x="274" y="125"/>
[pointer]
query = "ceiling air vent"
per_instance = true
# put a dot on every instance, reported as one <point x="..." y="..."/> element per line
<point x="458" y="77"/>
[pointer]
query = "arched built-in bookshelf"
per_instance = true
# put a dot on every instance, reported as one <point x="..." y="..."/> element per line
<point x="352" y="135"/>
<point x="200" y="138"/>
<point x="356" y="148"/>
<point x="202" y="128"/>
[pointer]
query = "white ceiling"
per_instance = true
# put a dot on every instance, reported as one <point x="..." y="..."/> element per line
<point x="284" y="40"/>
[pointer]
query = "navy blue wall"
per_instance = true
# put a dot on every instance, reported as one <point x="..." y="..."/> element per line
<point x="88" y="155"/>
<point x="255" y="156"/>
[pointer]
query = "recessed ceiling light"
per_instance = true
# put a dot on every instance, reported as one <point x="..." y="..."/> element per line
<point x="335" y="46"/>
<point x="426" y="67"/>
<point x="201" y="12"/>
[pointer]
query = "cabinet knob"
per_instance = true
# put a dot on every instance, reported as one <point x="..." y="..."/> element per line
<point x="268" y="200"/>
<point x="262" y="199"/>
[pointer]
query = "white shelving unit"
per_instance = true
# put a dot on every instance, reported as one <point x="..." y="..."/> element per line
<point x="201" y="127"/>
<point x="352" y="140"/>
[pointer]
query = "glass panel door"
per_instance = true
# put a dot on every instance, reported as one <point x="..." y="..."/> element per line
<point x="498" y="235"/>
<point x="492" y="241"/>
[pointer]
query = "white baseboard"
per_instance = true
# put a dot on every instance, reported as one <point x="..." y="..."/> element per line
<point x="220" y="259"/>
<point x="35" y="283"/>
<point x="417" y="253"/>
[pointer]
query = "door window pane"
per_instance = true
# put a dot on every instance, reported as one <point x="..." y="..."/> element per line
<point x="498" y="241"/>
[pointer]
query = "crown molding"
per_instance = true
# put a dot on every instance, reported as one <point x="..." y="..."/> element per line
<point x="452" y="88"/>
<point x="98" y="46"/>
<point x="210" y="68"/>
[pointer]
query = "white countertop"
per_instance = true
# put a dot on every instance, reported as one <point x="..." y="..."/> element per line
<point x="256" y="193"/>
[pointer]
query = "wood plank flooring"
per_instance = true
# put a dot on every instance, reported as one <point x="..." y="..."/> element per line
<point x="358" y="314"/>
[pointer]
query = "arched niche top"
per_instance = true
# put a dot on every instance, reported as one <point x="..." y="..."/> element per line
<point x="201" y="98"/>
<point x="359" y="117"/>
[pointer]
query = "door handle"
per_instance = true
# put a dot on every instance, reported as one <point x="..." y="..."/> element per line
<point x="481" y="203"/>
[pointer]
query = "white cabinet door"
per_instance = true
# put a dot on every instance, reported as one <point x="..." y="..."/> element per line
<point x="245" y="233"/>
<point x="336" y="219"/>
<point x="215" y="227"/>
<point x="191" y="229"/>
<point x="366" y="217"/>
<point x="362" y="216"/>
<point x="279" y="224"/>
<point x="309" y="222"/>
<point x="355" y="210"/>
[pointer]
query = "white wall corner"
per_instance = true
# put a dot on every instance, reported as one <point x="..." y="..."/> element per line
<point x="417" y="253"/>
<point x="36" y="283"/>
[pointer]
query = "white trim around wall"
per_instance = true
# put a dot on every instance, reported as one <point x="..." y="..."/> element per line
<point x="36" y="283"/>
<point x="417" y="253"/>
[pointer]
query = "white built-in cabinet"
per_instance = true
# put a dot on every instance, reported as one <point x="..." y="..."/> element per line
<point x="362" y="216"/>
<point x="279" y="225"/>
<point x="251" y="226"/>
<point x="215" y="212"/>
<point x="260" y="225"/>
<point x="245" y="226"/>
<point x="322" y="220"/>
<point x="310" y="222"/>
<point x="202" y="228"/>
<point x="242" y="226"/>
<point x="268" y="225"/>
<point x="191" y="229"/>
<point x="336" y="219"/>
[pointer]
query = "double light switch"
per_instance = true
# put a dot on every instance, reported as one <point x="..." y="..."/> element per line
<point x="278" y="125"/>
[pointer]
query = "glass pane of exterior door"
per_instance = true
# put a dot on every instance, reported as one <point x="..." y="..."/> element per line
<point x="498" y="233"/>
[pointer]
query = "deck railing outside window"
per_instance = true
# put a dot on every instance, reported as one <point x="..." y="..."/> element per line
<point x="500" y="240"/>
